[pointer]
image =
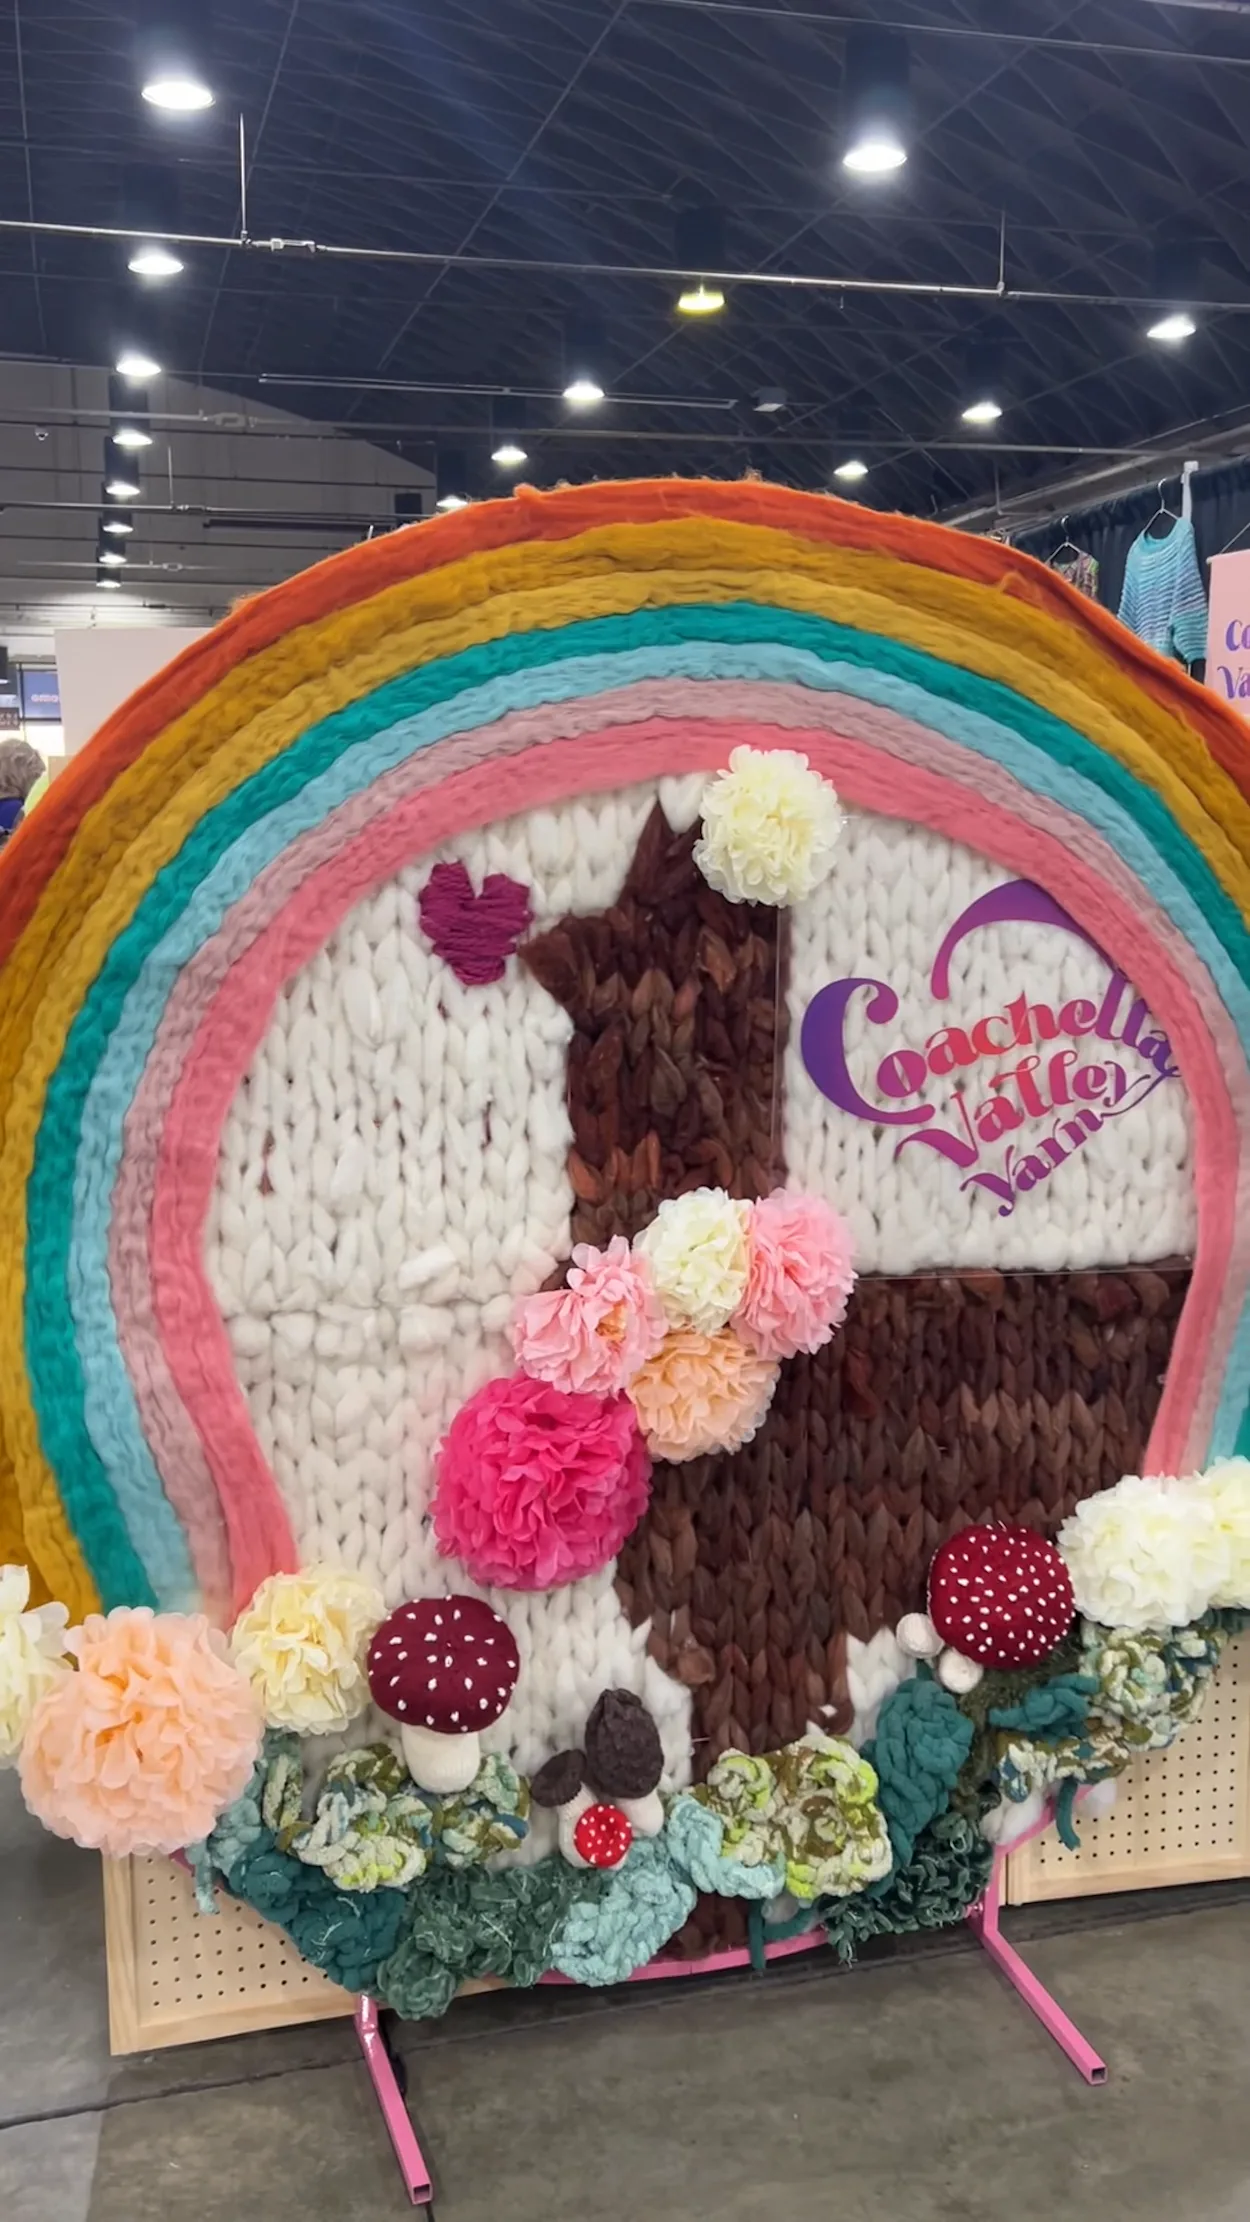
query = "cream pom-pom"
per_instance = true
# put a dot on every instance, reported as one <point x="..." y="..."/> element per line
<point x="1146" y="1554"/>
<point x="1225" y="1487"/>
<point x="302" y="1643"/>
<point x="770" y="827"/>
<point x="32" y="1656"/>
<point x="696" y="1248"/>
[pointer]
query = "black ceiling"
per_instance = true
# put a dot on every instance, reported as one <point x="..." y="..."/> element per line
<point x="569" y="131"/>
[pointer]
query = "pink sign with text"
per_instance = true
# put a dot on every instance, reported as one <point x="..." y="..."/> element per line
<point x="1228" y="630"/>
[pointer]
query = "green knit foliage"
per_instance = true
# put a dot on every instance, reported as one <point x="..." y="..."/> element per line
<point x="921" y="1744"/>
<point x="947" y="1872"/>
<point x="465" y="1922"/>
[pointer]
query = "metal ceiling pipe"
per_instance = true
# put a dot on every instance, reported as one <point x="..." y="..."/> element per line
<point x="666" y="273"/>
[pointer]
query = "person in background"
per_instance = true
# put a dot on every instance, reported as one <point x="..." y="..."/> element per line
<point x="21" y="767"/>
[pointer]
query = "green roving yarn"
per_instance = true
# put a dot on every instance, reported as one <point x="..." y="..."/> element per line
<point x="920" y="1747"/>
<point x="946" y="1874"/>
<point x="1058" y="1708"/>
<point x="695" y="1836"/>
<point x="465" y="1922"/>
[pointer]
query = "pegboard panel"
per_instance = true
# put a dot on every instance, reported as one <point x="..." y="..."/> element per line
<point x="1182" y="1816"/>
<point x="177" y="1976"/>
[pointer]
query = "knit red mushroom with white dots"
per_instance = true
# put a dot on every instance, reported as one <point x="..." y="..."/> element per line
<point x="602" y="1836"/>
<point x="998" y="1597"/>
<point x="444" y="1668"/>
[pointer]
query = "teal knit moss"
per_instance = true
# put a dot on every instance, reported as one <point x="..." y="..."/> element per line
<point x="645" y="1901"/>
<point x="1058" y="1708"/>
<point x="922" y="1742"/>
<point x="946" y="1874"/>
<point x="465" y="1922"/>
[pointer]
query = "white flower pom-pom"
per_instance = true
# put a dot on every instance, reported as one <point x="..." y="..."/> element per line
<point x="770" y="827"/>
<point x="1225" y="1487"/>
<point x="1146" y="1554"/>
<point x="696" y="1248"/>
<point x="32" y="1656"/>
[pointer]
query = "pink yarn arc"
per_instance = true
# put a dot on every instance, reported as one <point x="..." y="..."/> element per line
<point x="277" y="927"/>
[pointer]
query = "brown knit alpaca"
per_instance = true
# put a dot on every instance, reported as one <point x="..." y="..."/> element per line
<point x="944" y="1399"/>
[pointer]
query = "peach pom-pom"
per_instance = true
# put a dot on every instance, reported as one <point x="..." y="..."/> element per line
<point x="799" y="1275"/>
<point x="152" y="1738"/>
<point x="701" y="1393"/>
<point x="536" y="1487"/>
<point x="591" y="1337"/>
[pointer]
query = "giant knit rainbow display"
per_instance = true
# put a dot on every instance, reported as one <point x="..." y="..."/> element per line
<point x="213" y="835"/>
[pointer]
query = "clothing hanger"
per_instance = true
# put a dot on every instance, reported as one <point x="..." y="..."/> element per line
<point x="1240" y="534"/>
<point x="1065" y="547"/>
<point x="1148" y="530"/>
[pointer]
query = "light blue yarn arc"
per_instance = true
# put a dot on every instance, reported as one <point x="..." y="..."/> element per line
<point x="110" y="1409"/>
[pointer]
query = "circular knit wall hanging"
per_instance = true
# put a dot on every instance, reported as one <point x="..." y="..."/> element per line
<point x="350" y="981"/>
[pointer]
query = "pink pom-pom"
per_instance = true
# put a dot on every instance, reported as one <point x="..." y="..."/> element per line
<point x="799" y="1275"/>
<point x="591" y="1337"/>
<point x="147" y="1744"/>
<point x="536" y="1487"/>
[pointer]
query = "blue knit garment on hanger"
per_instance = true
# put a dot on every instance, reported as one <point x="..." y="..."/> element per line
<point x="1164" y="601"/>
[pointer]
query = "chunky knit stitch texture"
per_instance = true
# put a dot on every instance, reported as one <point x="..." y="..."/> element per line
<point x="200" y="855"/>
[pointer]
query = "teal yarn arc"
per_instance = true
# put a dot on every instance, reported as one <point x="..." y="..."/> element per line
<point x="918" y="1752"/>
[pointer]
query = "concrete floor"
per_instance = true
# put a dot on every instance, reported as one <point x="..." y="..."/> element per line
<point x="913" y="2091"/>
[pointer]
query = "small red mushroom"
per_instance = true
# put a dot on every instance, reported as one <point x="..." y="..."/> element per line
<point x="1000" y="1596"/>
<point x="444" y="1668"/>
<point x="602" y="1836"/>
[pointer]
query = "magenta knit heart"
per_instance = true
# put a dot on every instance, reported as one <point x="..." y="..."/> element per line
<point x="474" y="934"/>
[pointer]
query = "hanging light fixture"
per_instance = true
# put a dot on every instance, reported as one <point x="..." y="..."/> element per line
<point x="507" y="422"/>
<point x="876" y="101"/>
<point x="128" y="417"/>
<point x="583" y="361"/>
<point x="851" y="471"/>
<point x="770" y="400"/>
<point x="121" y="480"/>
<point x="133" y="363"/>
<point x="150" y="203"/>
<point x="1174" y="283"/>
<point x="699" y="244"/>
<point x="451" y="473"/>
<point x="984" y="384"/>
<point x="174" y="54"/>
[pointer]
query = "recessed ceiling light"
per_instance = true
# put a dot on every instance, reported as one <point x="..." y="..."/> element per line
<point x="176" y="91"/>
<point x="132" y="436"/>
<point x="852" y="469"/>
<point x="509" y="455"/>
<point x="134" y="365"/>
<point x="154" y="261"/>
<point x="701" y="300"/>
<point x="875" y="156"/>
<point x="112" y="556"/>
<point x="117" y="526"/>
<point x="985" y="411"/>
<point x="583" y="393"/>
<point x="1176" y="326"/>
<point x="448" y="502"/>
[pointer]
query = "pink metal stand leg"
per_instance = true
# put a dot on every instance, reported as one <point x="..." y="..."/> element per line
<point x="391" y="2101"/>
<point x="985" y="1923"/>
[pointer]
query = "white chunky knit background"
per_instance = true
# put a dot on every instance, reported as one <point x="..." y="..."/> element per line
<point x="392" y="1176"/>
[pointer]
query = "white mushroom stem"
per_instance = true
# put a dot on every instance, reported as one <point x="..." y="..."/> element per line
<point x="917" y="1637"/>
<point x="567" y="1818"/>
<point x="645" y="1815"/>
<point x="440" y="1763"/>
<point x="958" y="1674"/>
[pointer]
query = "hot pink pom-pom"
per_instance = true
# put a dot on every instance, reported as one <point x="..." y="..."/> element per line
<point x="536" y="1487"/>
<point x="152" y="1738"/>
<point x="799" y="1275"/>
<point x="591" y="1337"/>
